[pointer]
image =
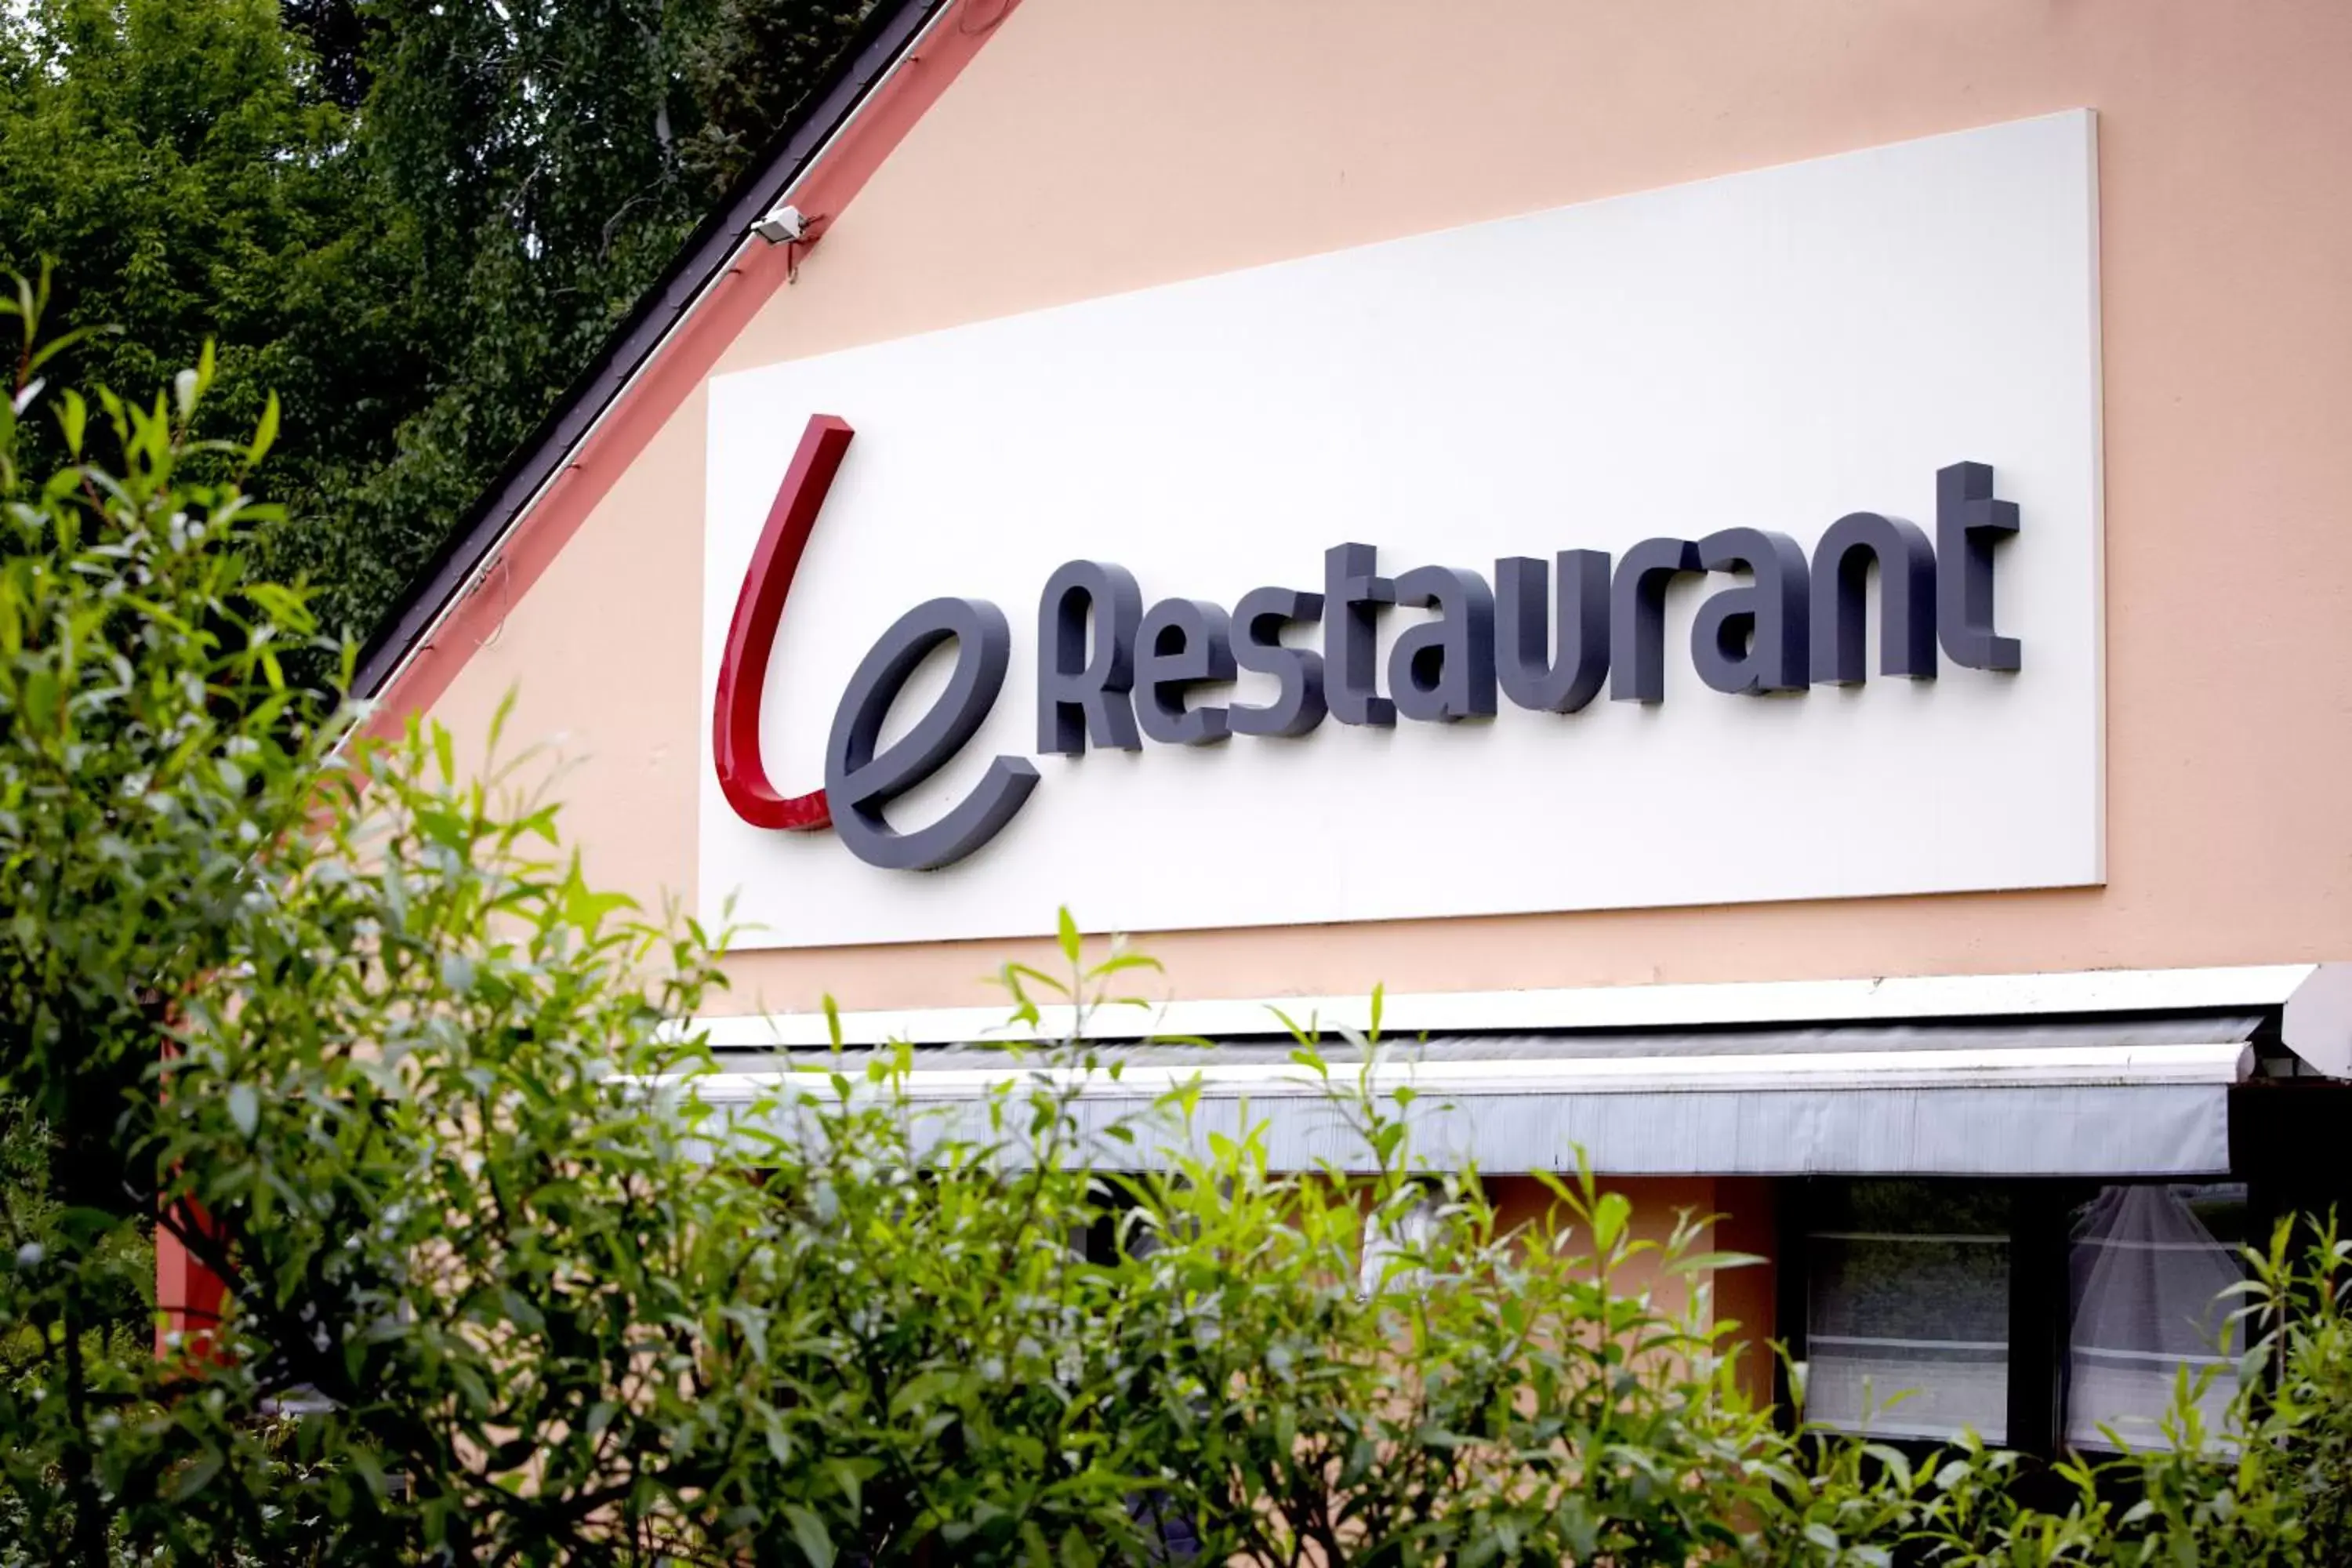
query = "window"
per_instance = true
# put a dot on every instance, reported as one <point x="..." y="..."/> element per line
<point x="2035" y="1314"/>
<point x="1907" y="1294"/>
<point x="2147" y="1268"/>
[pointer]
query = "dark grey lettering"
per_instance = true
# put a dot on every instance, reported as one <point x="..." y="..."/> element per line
<point x="1443" y="668"/>
<point x="1569" y="676"/>
<point x="1083" y="691"/>
<point x="1906" y="599"/>
<point x="1637" y="617"/>
<point x="1354" y="593"/>
<point x="1755" y="638"/>
<point x="859" y="782"/>
<point x="1968" y="523"/>
<point x="1257" y="622"/>
<point x="1182" y="643"/>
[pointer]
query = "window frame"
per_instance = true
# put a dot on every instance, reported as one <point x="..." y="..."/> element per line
<point x="2039" y="1309"/>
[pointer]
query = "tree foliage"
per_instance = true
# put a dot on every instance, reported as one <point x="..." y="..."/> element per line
<point x="512" y="1278"/>
<point x="414" y="220"/>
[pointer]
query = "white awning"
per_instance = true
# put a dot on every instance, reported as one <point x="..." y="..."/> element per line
<point x="2122" y="1096"/>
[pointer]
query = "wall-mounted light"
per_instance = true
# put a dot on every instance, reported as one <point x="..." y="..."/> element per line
<point x="784" y="225"/>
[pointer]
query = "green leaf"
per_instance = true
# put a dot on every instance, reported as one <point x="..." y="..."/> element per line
<point x="265" y="433"/>
<point x="844" y="1476"/>
<point x="244" y="1107"/>
<point x="809" y="1534"/>
<point x="59" y="344"/>
<point x="771" y="1427"/>
<point x="1069" y="935"/>
<point x="196" y="1476"/>
<point x="1608" y="1219"/>
<point x="73" y="416"/>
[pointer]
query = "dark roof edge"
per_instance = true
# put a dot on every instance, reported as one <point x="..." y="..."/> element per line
<point x="884" y="37"/>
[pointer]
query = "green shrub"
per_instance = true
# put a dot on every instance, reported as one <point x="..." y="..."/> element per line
<point x="505" y="1286"/>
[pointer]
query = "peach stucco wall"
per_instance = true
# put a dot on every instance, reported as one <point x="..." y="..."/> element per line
<point x="1097" y="145"/>
<point x="1734" y="1215"/>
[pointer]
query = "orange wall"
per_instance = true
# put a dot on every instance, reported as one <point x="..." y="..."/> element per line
<point x="1092" y="147"/>
<point x="1742" y="1215"/>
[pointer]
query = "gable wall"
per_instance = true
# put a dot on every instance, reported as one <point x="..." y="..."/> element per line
<point x="1094" y="146"/>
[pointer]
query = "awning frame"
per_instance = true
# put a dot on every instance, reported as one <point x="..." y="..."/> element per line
<point x="2125" y="1093"/>
<point x="1883" y="998"/>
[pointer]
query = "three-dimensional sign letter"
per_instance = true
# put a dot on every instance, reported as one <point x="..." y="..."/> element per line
<point x="1257" y="621"/>
<point x="1755" y="638"/>
<point x="1906" y="598"/>
<point x="1968" y="523"/>
<point x="1572" y="675"/>
<point x="1083" y="692"/>
<point x="859" y="782"/>
<point x="1354" y="593"/>
<point x="1637" y="617"/>
<point x="1182" y="643"/>
<point x="1445" y="668"/>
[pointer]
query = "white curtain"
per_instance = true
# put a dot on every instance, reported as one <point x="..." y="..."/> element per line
<point x="2147" y="1277"/>
<point x="1923" y="1316"/>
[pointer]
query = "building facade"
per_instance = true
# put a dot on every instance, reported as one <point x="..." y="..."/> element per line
<point x="1773" y="574"/>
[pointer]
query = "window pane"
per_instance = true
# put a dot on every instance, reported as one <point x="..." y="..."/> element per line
<point x="2148" y="1269"/>
<point x="1909" y="1294"/>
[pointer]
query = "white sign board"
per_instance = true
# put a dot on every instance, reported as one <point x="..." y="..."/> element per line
<point x="1771" y="350"/>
